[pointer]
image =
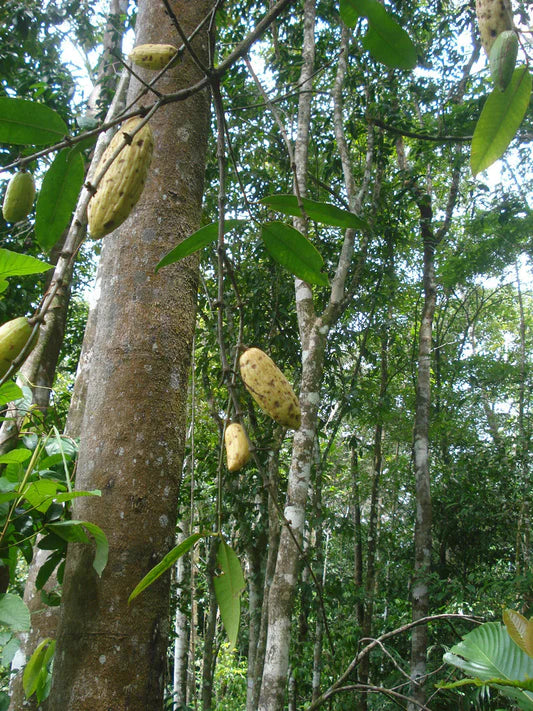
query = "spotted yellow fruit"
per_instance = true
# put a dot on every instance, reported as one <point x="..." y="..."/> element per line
<point x="19" y="197"/>
<point x="153" y="56"/>
<point x="270" y="388"/>
<point x="237" y="449"/>
<point x="494" y="17"/>
<point x="123" y="183"/>
<point x="13" y="337"/>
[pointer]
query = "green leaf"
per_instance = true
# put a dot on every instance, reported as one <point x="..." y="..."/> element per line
<point x="385" y="39"/>
<point x="166" y="563"/>
<point x="36" y="671"/>
<point x="24" y="122"/>
<point x="58" y="196"/>
<point x="73" y="531"/>
<point x="13" y="613"/>
<point x="487" y="653"/>
<point x="15" y="264"/>
<point x="294" y="251"/>
<point x="40" y="494"/>
<point x="350" y="12"/>
<point x="16" y="456"/>
<point x="199" y="239"/>
<point x="499" y="121"/>
<point x="9" y="391"/>
<point x="323" y="212"/>
<point x="228" y="589"/>
<point x="10" y="649"/>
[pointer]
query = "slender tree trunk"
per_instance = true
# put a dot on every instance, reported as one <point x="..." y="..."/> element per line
<point x="208" y="661"/>
<point x="282" y="591"/>
<point x="181" y="627"/>
<point x="358" y="537"/>
<point x="373" y="523"/>
<point x="523" y="532"/>
<point x="422" y="537"/>
<point x="191" y="655"/>
<point x="254" y="683"/>
<point x="110" y="654"/>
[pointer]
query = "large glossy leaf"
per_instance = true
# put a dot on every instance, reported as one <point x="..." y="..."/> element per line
<point x="14" y="613"/>
<point x="15" y="264"/>
<point x="323" y="212"/>
<point x="488" y="653"/>
<point x="166" y="563"/>
<point x="294" y="251"/>
<point x="199" y="239"/>
<point x="74" y="531"/>
<point x="499" y="121"/>
<point x="58" y="196"/>
<point x="24" y="122"/>
<point x="228" y="588"/>
<point x="36" y="670"/>
<point x="385" y="39"/>
<point x="9" y="391"/>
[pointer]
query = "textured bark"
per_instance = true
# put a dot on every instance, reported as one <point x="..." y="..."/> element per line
<point x="110" y="654"/>
<point x="422" y="536"/>
<point x="181" y="625"/>
<point x="254" y="681"/>
<point x="282" y="591"/>
<point x="208" y="661"/>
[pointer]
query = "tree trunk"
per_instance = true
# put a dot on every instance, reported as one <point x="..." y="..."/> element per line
<point x="181" y="627"/>
<point x="422" y="537"/>
<point x="110" y="654"/>
<point x="254" y="682"/>
<point x="281" y="596"/>
<point x="373" y="523"/>
<point x="208" y="661"/>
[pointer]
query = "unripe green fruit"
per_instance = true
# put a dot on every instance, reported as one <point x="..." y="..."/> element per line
<point x="123" y="183"/>
<point x="237" y="449"/>
<point x="502" y="59"/>
<point x="270" y="388"/>
<point x="153" y="56"/>
<point x="13" y="337"/>
<point x="19" y="197"/>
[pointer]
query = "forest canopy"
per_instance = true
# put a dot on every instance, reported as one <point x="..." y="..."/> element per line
<point x="265" y="371"/>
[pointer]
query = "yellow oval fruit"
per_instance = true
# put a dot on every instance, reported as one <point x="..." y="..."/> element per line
<point x="153" y="56"/>
<point x="13" y="337"/>
<point x="237" y="449"/>
<point x="122" y="185"/>
<point x="494" y="17"/>
<point x="270" y="388"/>
<point x="19" y="197"/>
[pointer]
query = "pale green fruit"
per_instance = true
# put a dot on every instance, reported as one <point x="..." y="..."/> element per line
<point x="13" y="337"/>
<point x="502" y="59"/>
<point x="19" y="197"/>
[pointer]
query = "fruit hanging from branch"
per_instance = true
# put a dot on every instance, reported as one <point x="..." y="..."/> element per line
<point x="237" y="449"/>
<point x="19" y="197"/>
<point x="153" y="56"/>
<point x="123" y="183"/>
<point x="494" y="17"/>
<point x="270" y="388"/>
<point x="14" y="335"/>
